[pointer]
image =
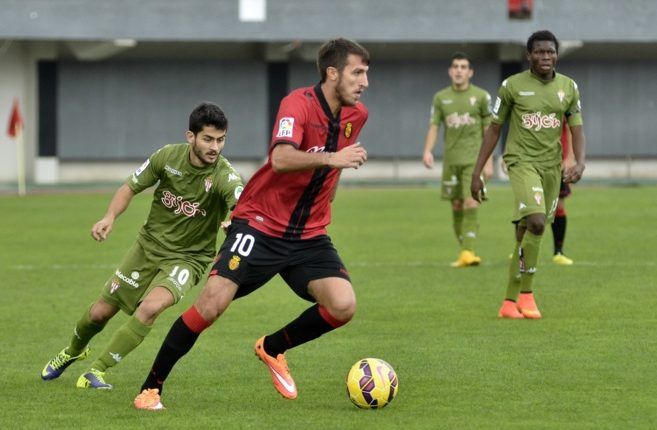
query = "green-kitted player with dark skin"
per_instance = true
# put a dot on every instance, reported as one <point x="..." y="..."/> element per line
<point x="463" y="110"/>
<point x="535" y="103"/>
<point x="197" y="188"/>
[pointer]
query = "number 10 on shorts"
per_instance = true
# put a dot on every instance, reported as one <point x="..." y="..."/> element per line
<point x="243" y="244"/>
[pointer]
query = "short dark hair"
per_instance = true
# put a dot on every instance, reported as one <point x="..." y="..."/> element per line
<point x="334" y="53"/>
<point x="207" y="114"/>
<point x="458" y="55"/>
<point x="541" y="36"/>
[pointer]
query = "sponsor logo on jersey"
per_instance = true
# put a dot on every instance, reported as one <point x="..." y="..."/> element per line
<point x="234" y="262"/>
<point x="285" y="127"/>
<point x="134" y="275"/>
<point x="526" y="93"/>
<point x="347" y="130"/>
<point x="561" y="95"/>
<point x="537" y="189"/>
<point x="446" y="102"/>
<point x="127" y="280"/>
<point x="454" y="120"/>
<point x="538" y="121"/>
<point x="181" y="206"/>
<point x="208" y="184"/>
<point x="172" y="170"/>
<point x="473" y="100"/>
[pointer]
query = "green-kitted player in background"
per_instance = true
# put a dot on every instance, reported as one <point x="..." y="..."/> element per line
<point x="463" y="109"/>
<point x="535" y="102"/>
<point x="197" y="188"/>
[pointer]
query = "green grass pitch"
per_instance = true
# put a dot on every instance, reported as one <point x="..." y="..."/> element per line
<point x="588" y="364"/>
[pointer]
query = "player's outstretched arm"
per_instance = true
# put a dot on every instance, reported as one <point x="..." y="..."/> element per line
<point x="574" y="173"/>
<point x="119" y="203"/>
<point x="491" y="136"/>
<point x="286" y="158"/>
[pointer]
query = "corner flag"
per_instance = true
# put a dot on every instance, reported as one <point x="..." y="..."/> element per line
<point x="15" y="121"/>
<point x="15" y="131"/>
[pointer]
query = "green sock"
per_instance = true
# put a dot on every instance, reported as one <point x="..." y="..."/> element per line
<point x="531" y="245"/>
<point x="457" y="219"/>
<point x="85" y="329"/>
<point x="513" y="287"/>
<point x="126" y="338"/>
<point x="470" y="228"/>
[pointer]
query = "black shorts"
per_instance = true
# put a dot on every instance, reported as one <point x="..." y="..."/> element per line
<point x="250" y="258"/>
<point x="564" y="190"/>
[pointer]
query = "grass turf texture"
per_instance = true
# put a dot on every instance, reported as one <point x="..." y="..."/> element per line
<point x="588" y="364"/>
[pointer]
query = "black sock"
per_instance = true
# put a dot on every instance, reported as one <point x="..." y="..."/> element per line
<point x="559" y="233"/>
<point x="308" y="326"/>
<point x="178" y="342"/>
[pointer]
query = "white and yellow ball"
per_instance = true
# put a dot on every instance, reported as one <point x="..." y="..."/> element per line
<point x="372" y="383"/>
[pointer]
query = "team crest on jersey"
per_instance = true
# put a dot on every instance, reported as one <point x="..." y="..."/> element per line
<point x="208" y="184"/>
<point x="234" y="263"/>
<point x="561" y="95"/>
<point x="115" y="286"/>
<point x="285" y="127"/>
<point x="538" y="196"/>
<point x="473" y="100"/>
<point x="347" y="130"/>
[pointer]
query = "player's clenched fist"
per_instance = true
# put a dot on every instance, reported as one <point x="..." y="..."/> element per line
<point x="352" y="156"/>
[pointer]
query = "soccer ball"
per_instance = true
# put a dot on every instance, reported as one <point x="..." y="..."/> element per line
<point x="372" y="383"/>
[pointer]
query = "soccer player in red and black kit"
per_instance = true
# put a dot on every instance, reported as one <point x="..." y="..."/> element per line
<point x="279" y="223"/>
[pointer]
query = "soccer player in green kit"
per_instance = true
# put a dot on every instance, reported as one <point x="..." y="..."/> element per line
<point x="463" y="109"/>
<point x="197" y="187"/>
<point x="535" y="102"/>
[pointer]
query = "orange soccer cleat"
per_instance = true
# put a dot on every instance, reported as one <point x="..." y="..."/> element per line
<point x="527" y="306"/>
<point x="149" y="400"/>
<point x="509" y="310"/>
<point x="280" y="373"/>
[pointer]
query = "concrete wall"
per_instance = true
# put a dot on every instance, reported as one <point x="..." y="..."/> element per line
<point x="120" y="99"/>
<point x="366" y="20"/>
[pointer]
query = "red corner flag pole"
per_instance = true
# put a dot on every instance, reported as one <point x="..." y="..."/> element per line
<point x="15" y="131"/>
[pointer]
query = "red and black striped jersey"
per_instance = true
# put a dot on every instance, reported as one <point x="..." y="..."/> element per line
<point x="296" y="205"/>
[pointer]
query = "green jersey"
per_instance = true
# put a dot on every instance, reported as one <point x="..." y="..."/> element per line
<point x="464" y="114"/>
<point x="189" y="202"/>
<point x="536" y="109"/>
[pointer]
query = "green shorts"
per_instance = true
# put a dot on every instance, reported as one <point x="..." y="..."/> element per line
<point x="142" y="270"/>
<point x="536" y="189"/>
<point x="456" y="181"/>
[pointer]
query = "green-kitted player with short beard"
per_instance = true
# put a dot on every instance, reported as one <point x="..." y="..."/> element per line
<point x="197" y="188"/>
<point x="535" y="103"/>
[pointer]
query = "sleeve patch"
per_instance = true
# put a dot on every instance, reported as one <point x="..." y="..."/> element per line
<point x="142" y="167"/>
<point x="285" y="127"/>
